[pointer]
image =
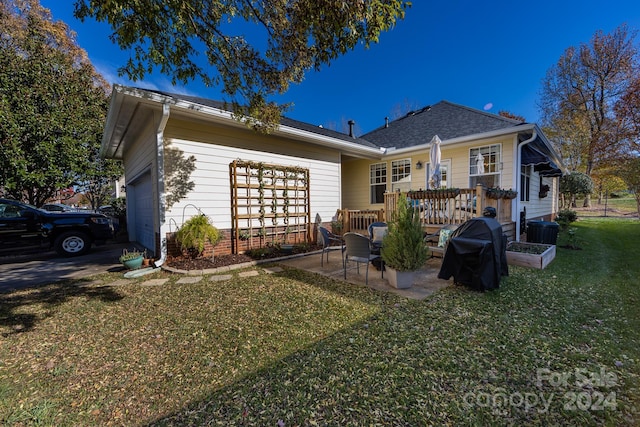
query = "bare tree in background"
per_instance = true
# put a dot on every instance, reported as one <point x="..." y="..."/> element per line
<point x="401" y="109"/>
<point x="579" y="94"/>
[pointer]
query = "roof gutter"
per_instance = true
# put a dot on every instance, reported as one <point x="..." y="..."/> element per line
<point x="327" y="141"/>
<point x="518" y="175"/>
<point x="226" y="118"/>
<point x="166" y="110"/>
<point x="466" y="138"/>
<point x="110" y="123"/>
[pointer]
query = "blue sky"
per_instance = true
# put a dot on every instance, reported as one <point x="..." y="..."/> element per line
<point x="479" y="54"/>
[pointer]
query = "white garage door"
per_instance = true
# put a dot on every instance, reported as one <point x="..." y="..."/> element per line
<point x="143" y="212"/>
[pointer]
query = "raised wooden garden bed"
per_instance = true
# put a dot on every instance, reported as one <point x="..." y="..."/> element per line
<point x="535" y="255"/>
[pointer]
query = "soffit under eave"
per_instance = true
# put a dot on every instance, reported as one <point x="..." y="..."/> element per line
<point x="133" y="117"/>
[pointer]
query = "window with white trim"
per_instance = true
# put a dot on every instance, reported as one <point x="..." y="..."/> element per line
<point x="401" y="175"/>
<point x="485" y="164"/>
<point x="401" y="170"/>
<point x="378" y="182"/>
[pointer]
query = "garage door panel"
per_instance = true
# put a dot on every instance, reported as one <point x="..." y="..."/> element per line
<point x="143" y="212"/>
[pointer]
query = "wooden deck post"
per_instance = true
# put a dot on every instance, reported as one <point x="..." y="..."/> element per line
<point x="481" y="199"/>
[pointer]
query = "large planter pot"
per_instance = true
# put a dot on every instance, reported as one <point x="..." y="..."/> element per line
<point x="133" y="264"/>
<point x="524" y="254"/>
<point x="399" y="279"/>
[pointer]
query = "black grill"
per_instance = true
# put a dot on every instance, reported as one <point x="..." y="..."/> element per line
<point x="476" y="255"/>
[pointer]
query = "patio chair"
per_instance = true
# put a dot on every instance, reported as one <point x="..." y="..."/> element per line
<point x="358" y="249"/>
<point x="330" y="242"/>
<point x="437" y="242"/>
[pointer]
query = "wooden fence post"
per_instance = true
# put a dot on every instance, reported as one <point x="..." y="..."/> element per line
<point x="481" y="200"/>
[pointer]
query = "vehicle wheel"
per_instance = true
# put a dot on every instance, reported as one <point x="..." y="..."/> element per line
<point x="72" y="243"/>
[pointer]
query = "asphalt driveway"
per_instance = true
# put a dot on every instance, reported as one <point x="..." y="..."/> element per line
<point x="19" y="272"/>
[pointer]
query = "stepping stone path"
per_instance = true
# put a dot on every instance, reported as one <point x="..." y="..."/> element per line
<point x="154" y="282"/>
<point x="250" y="273"/>
<point x="191" y="279"/>
<point x="121" y="282"/>
<point x="195" y="279"/>
<point x="220" y="278"/>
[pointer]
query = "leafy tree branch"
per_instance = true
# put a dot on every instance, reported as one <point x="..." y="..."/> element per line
<point x="253" y="49"/>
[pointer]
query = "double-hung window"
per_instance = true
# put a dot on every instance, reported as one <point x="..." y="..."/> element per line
<point x="485" y="165"/>
<point x="401" y="175"/>
<point x="378" y="182"/>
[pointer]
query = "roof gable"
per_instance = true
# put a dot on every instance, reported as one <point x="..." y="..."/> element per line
<point x="445" y="119"/>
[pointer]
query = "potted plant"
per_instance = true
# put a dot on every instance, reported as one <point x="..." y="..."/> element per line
<point x="403" y="248"/>
<point x="196" y="233"/>
<point x="132" y="259"/>
<point x="336" y="227"/>
<point x="543" y="191"/>
<point x="495" y="193"/>
<point x="510" y="194"/>
<point x="453" y="192"/>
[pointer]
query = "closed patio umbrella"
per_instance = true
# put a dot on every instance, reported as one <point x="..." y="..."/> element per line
<point x="434" y="159"/>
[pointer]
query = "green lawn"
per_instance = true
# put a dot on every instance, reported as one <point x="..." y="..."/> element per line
<point x="625" y="206"/>
<point x="559" y="346"/>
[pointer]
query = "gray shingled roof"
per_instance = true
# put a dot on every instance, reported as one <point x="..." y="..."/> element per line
<point x="445" y="119"/>
<point x="285" y="121"/>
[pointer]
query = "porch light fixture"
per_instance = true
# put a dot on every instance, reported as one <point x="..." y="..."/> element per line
<point x="418" y="164"/>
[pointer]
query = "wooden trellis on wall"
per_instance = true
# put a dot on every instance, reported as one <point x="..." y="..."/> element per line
<point x="269" y="204"/>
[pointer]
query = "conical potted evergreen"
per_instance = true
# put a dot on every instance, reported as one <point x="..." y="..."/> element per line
<point x="403" y="248"/>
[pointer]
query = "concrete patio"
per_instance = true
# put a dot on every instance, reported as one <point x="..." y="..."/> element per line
<point x="426" y="281"/>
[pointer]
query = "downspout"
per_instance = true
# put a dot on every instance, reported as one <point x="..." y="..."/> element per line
<point x="519" y="180"/>
<point x="161" y="190"/>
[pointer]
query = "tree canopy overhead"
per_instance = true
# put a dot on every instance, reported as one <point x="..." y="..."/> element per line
<point x="52" y="105"/>
<point x="254" y="49"/>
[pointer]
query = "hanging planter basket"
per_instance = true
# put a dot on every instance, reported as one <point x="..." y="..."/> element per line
<point x="494" y="194"/>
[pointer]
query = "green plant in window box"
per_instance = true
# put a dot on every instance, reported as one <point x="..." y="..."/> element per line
<point x="495" y="193"/>
<point x="510" y="194"/>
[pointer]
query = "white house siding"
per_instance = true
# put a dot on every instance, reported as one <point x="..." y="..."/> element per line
<point x="214" y="150"/>
<point x="538" y="208"/>
<point x="139" y="161"/>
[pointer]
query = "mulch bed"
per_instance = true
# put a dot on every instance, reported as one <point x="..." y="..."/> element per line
<point x="187" y="263"/>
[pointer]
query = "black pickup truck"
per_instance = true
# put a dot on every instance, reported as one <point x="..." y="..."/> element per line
<point x="26" y="228"/>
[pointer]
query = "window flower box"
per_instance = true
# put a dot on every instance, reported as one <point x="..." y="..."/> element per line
<point x="534" y="255"/>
